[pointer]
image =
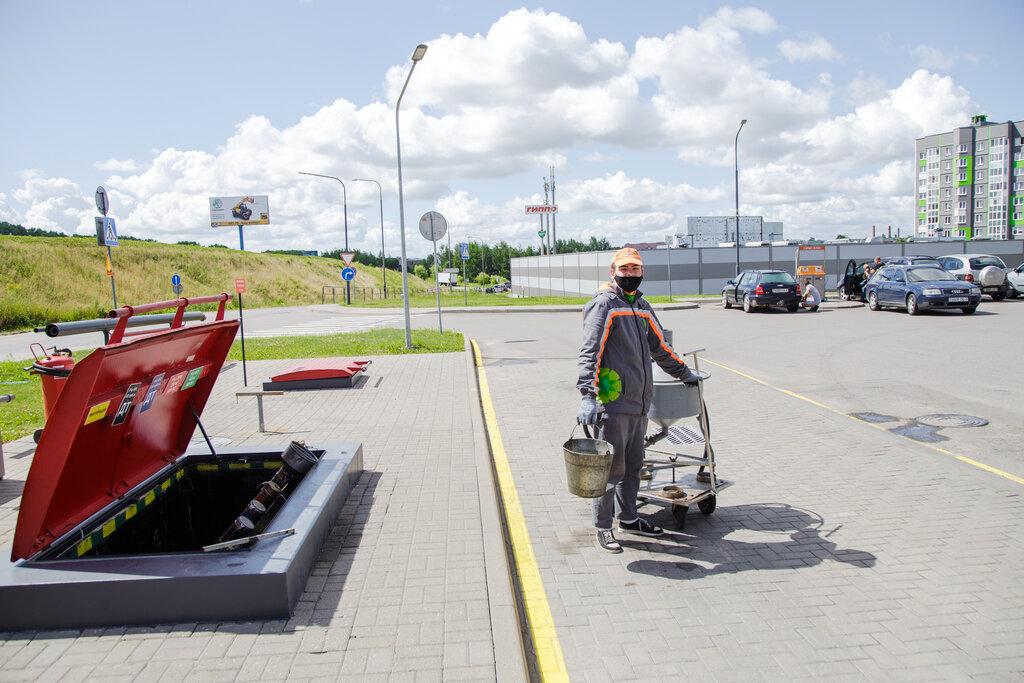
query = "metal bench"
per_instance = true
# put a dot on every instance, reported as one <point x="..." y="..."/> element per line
<point x="259" y="401"/>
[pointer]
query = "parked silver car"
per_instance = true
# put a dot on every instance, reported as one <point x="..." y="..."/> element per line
<point x="984" y="270"/>
<point x="1016" y="279"/>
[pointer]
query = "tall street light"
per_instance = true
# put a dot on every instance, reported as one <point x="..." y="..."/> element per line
<point x="417" y="55"/>
<point x="736" y="165"/>
<point x="344" y="199"/>
<point x="383" y="270"/>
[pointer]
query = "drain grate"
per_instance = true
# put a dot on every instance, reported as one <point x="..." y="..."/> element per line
<point x="679" y="434"/>
<point x="948" y="420"/>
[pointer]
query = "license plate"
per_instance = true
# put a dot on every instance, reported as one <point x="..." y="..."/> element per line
<point x="779" y="291"/>
<point x="958" y="299"/>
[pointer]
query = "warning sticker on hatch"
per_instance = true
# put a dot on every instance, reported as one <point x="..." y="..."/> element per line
<point x="97" y="412"/>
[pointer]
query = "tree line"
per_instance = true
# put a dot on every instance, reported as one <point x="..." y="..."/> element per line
<point x="491" y="261"/>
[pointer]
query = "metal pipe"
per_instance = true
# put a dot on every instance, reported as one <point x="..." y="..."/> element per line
<point x="101" y="324"/>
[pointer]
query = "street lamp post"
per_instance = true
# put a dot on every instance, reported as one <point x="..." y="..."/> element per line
<point x="736" y="166"/>
<point x="383" y="270"/>
<point x="417" y="55"/>
<point x="344" y="199"/>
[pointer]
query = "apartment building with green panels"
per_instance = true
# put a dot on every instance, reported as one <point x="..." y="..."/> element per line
<point x="970" y="182"/>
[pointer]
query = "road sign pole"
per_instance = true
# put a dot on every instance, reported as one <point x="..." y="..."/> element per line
<point x="240" y="289"/>
<point x="241" y="332"/>
<point x="113" y="289"/>
<point x="465" y="297"/>
<point x="241" y="242"/>
<point x="437" y="281"/>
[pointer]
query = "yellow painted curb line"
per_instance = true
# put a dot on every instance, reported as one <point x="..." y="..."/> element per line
<point x="975" y="463"/>
<point x="550" y="663"/>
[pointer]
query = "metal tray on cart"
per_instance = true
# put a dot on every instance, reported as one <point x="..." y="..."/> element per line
<point x="666" y="468"/>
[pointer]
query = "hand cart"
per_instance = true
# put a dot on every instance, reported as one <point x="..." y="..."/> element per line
<point x="661" y="482"/>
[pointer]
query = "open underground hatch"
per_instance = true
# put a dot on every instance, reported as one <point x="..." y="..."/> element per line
<point x="203" y="504"/>
<point x="121" y="522"/>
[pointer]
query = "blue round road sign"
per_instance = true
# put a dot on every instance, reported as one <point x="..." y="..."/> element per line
<point x="175" y="279"/>
<point x="348" y="274"/>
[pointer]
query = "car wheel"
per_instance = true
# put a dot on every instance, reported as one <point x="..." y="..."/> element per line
<point x="873" y="301"/>
<point x="841" y="291"/>
<point x="725" y="301"/>
<point x="969" y="310"/>
<point x="747" y="306"/>
<point x="912" y="308"/>
<point x="1013" y="293"/>
<point x="998" y="297"/>
<point x="793" y="308"/>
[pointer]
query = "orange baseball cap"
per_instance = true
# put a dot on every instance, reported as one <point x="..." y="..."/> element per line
<point x="626" y="255"/>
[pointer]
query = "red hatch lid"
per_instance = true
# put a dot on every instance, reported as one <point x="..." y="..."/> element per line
<point x="125" y="412"/>
<point x="322" y="368"/>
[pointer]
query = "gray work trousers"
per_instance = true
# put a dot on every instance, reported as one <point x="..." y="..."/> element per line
<point x="626" y="435"/>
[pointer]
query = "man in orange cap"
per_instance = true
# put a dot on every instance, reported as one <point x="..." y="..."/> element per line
<point x="621" y="335"/>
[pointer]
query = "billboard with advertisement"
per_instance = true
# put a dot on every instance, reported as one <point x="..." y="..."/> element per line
<point x="248" y="210"/>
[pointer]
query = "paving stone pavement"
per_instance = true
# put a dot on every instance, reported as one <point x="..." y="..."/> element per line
<point x="842" y="552"/>
<point x="411" y="584"/>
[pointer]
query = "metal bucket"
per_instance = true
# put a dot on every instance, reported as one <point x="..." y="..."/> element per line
<point x="587" y="465"/>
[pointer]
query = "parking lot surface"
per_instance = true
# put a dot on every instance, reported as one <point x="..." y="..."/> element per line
<point x="860" y="541"/>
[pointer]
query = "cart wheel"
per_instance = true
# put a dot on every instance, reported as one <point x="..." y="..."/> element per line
<point x="707" y="506"/>
<point x="679" y="514"/>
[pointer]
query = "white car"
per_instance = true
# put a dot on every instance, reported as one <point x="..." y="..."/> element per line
<point x="1016" y="279"/>
<point x="984" y="270"/>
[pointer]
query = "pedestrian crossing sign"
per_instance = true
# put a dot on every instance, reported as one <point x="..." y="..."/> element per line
<point x="106" y="231"/>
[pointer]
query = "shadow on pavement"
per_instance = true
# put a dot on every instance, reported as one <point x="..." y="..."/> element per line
<point x="793" y="539"/>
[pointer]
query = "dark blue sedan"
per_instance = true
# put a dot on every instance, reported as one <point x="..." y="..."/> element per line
<point x="762" y="289"/>
<point x="919" y="288"/>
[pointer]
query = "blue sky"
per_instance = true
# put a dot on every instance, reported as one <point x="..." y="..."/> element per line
<point x="636" y="107"/>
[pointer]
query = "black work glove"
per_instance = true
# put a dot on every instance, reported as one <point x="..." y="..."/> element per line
<point x="587" y="413"/>
<point x="690" y="378"/>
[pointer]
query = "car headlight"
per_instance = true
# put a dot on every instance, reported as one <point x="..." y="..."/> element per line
<point x="931" y="292"/>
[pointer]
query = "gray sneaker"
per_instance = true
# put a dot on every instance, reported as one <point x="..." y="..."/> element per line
<point x="606" y="541"/>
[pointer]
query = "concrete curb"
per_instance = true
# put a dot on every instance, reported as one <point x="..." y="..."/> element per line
<point x="506" y="630"/>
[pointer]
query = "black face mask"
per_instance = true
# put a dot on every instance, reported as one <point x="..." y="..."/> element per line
<point x="628" y="284"/>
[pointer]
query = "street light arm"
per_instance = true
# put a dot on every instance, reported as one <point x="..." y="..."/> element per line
<point x="383" y="269"/>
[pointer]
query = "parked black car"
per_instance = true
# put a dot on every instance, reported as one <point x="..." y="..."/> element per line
<point x="762" y="289"/>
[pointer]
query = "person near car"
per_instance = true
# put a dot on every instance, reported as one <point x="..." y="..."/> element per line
<point x="811" y="297"/>
<point x="871" y="268"/>
<point x="621" y="335"/>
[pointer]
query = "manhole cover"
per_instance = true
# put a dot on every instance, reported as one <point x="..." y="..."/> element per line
<point x="945" y="420"/>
